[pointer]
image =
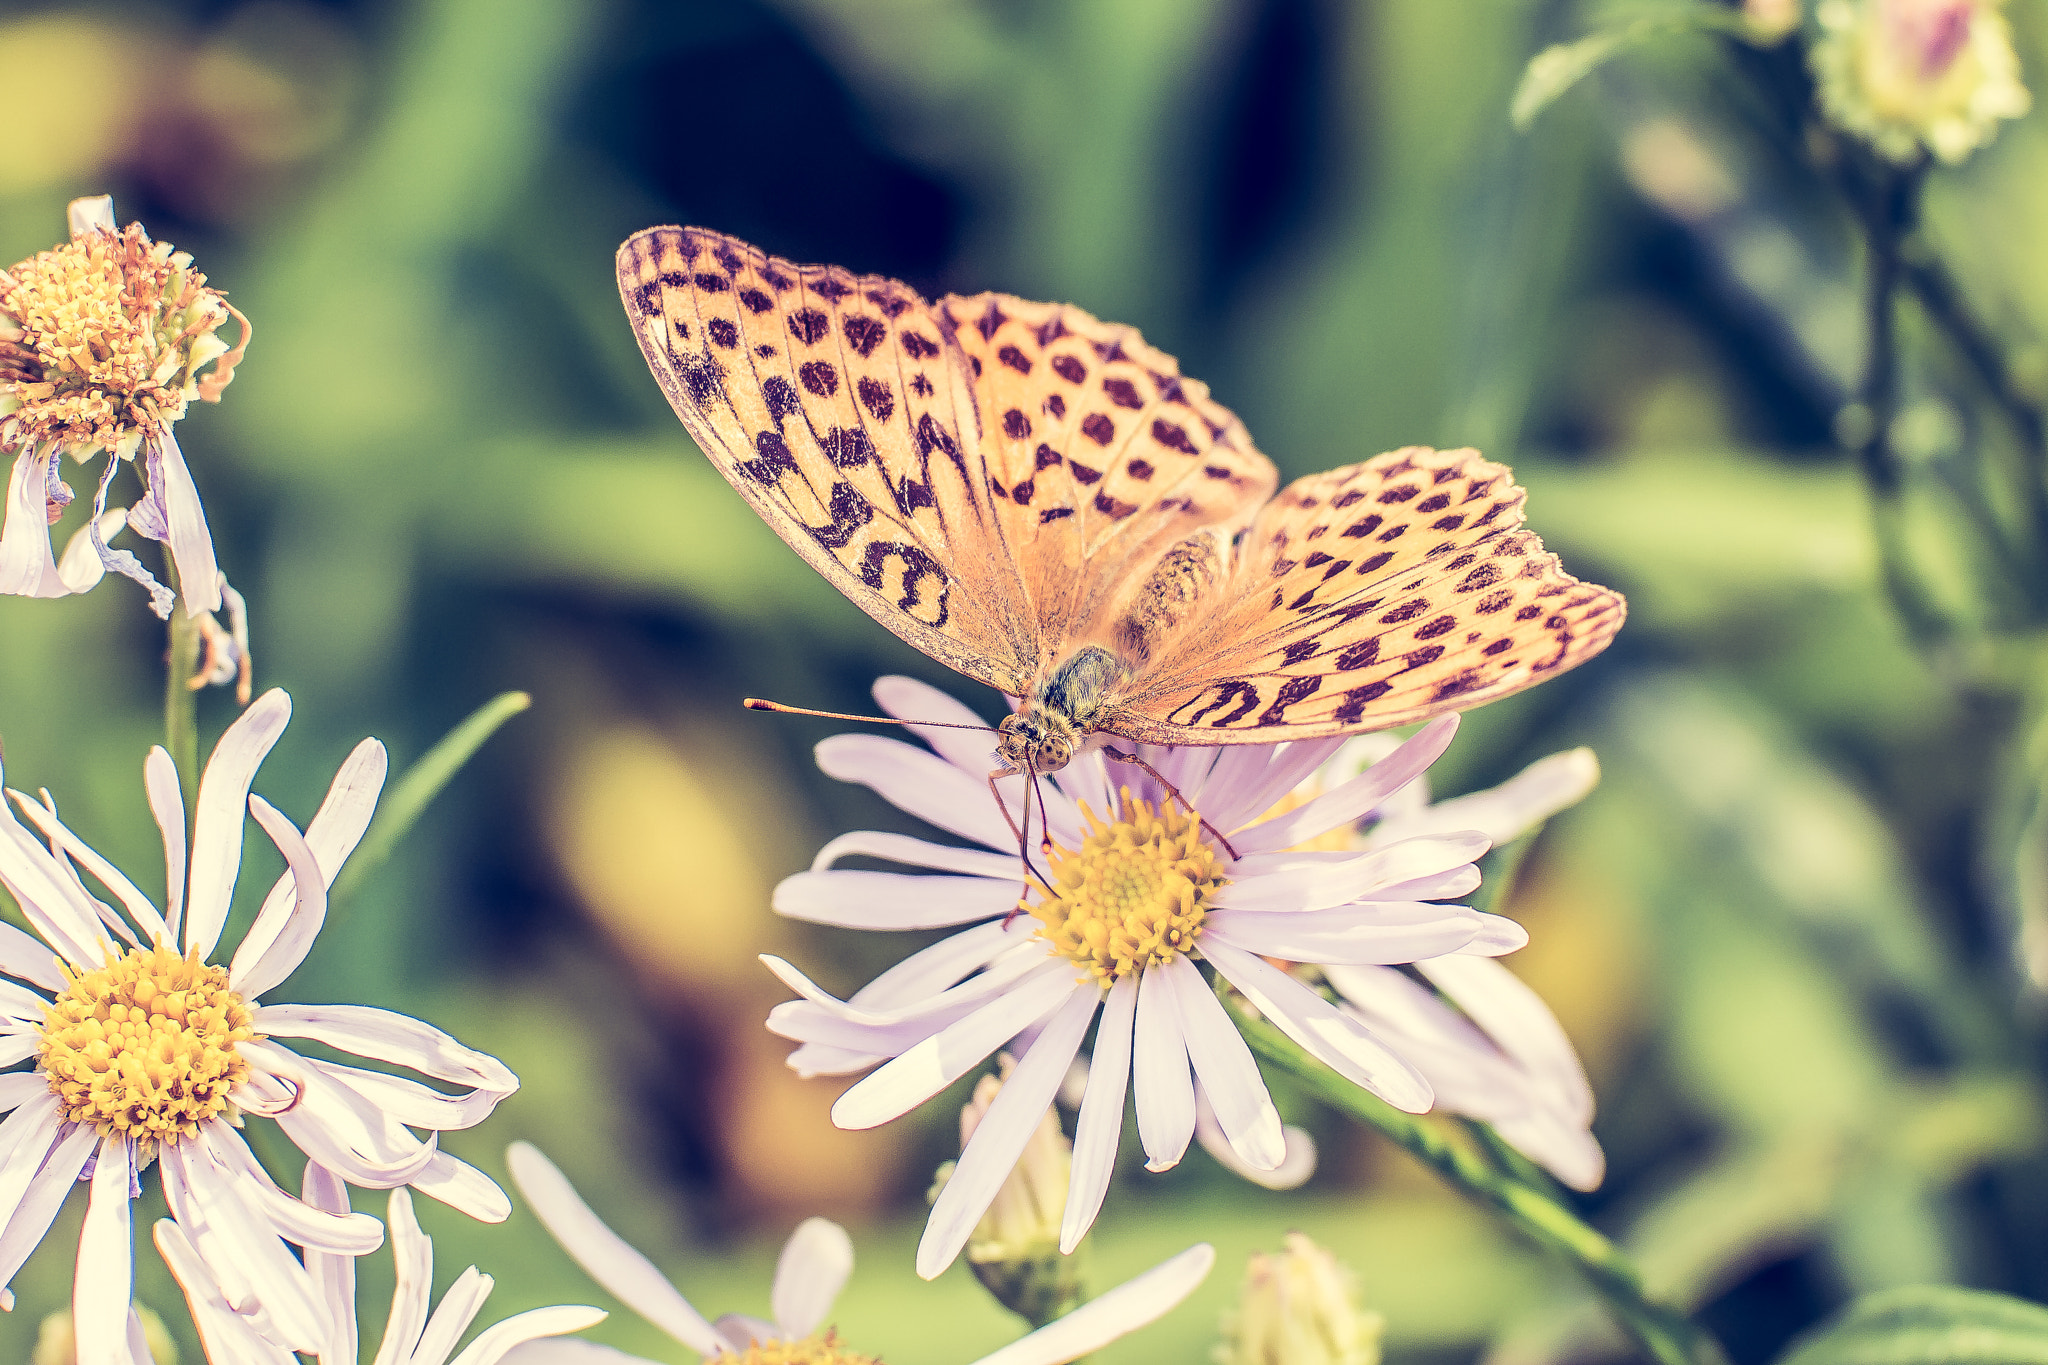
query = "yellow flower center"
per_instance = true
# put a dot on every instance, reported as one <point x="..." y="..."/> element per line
<point x="1134" y="893"/>
<point x="101" y="341"/>
<point x="819" y="1348"/>
<point x="144" y="1047"/>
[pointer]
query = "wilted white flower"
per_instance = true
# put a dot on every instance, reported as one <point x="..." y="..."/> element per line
<point x="104" y="341"/>
<point x="1138" y="891"/>
<point x="415" y="1333"/>
<point x="1907" y="74"/>
<point x="144" y="1051"/>
<point x="814" y="1266"/>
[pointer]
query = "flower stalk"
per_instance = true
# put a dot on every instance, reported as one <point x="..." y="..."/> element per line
<point x="181" y="702"/>
<point x="1664" y="1332"/>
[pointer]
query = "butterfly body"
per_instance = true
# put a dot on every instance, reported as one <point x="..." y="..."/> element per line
<point x="1040" y="500"/>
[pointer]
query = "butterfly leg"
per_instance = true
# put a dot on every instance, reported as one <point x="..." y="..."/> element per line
<point x="1111" y="751"/>
<point x="1023" y="835"/>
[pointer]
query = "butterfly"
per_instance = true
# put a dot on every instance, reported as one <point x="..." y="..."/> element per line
<point x="1044" y="503"/>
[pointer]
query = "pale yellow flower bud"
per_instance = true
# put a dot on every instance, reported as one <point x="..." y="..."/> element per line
<point x="1015" y="1249"/>
<point x="55" y="1344"/>
<point x="1912" y="74"/>
<point x="1299" y="1307"/>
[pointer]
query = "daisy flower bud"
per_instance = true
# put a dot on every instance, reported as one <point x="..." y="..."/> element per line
<point x="1299" y="1307"/>
<point x="1015" y="1248"/>
<point x="1908" y="74"/>
<point x="105" y="340"/>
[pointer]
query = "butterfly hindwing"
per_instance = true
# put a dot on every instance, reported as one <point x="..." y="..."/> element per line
<point x="841" y="408"/>
<point x="1368" y="597"/>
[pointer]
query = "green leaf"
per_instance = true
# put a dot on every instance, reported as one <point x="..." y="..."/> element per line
<point x="1928" y="1323"/>
<point x="409" y="797"/>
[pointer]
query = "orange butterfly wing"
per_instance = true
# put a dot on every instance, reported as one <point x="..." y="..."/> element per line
<point x="1371" y="596"/>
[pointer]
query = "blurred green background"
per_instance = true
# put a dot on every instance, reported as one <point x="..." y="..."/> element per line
<point x="1791" y="932"/>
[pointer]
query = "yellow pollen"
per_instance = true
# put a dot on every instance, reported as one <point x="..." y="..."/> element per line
<point x="102" y="340"/>
<point x="1133" y="895"/>
<point x="144" y="1047"/>
<point x="819" y="1348"/>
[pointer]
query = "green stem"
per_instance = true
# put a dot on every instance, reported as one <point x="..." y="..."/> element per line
<point x="1666" y="1334"/>
<point x="181" y="702"/>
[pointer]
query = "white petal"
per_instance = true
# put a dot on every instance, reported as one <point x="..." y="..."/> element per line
<point x="1497" y="935"/>
<point x="741" y="1330"/>
<point x="1294" y="1169"/>
<point x="338" y="1128"/>
<point x="336" y="830"/>
<point x="820" y="1018"/>
<point x="493" y="1342"/>
<point x="971" y="750"/>
<point x="101" y="1293"/>
<point x="1224" y="1066"/>
<point x="1518" y="1021"/>
<point x="334" y="1275"/>
<point x="132" y="900"/>
<point x="1565" y="1149"/>
<point x="1351" y="802"/>
<point x="932" y="1065"/>
<point x="1159" y="1066"/>
<point x="893" y="900"/>
<point x="26" y="1137"/>
<point x="1294" y="881"/>
<point x="190" y="543"/>
<point x="1506" y="812"/>
<point x="991" y="1154"/>
<point x="26" y="566"/>
<point x="1124" y="1309"/>
<point x="31" y="1214"/>
<point x="19" y="1087"/>
<point x="814" y="1266"/>
<point x="1101" y="1123"/>
<point x="943" y="964"/>
<point x="49" y="899"/>
<point x="413" y="1104"/>
<point x="605" y="1254"/>
<point x="167" y="805"/>
<point x="29" y="958"/>
<point x="387" y="1036"/>
<point x="20" y="1008"/>
<point x="1370" y="931"/>
<point x="225" y="1334"/>
<point x="464" y="1188"/>
<point x="339" y="1232"/>
<point x="80" y="567"/>
<point x="217" y="823"/>
<point x="295" y="934"/>
<point x="1333" y="1038"/>
<point x="237" y="1231"/>
<point x="459" y="1305"/>
<point x="1444" y="886"/>
<point x="918" y="783"/>
<point x="572" y="1351"/>
<point x="901" y="848"/>
<point x="413" y="1254"/>
<point x="1229" y="804"/>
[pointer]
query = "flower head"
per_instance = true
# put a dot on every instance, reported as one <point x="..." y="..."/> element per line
<point x="1299" y="1307"/>
<point x="1908" y="74"/>
<point x="104" y="342"/>
<point x="416" y="1333"/>
<point x="1141" y="890"/>
<point x="146" y="1051"/>
<point x="814" y="1266"/>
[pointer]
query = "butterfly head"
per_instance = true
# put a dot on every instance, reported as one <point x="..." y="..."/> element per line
<point x="1036" y="739"/>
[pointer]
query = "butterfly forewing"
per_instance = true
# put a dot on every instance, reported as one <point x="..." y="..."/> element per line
<point x="839" y="406"/>
<point x="1369" y="597"/>
<point x="1101" y="456"/>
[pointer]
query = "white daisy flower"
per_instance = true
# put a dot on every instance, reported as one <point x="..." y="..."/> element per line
<point x="415" y="1333"/>
<point x="104" y="342"/>
<point x="1500" y="1055"/>
<point x="146" y="1051"/>
<point x="814" y="1266"/>
<point x="1140" y="889"/>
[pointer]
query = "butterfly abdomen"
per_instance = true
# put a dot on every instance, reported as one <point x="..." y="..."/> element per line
<point x="1167" y="597"/>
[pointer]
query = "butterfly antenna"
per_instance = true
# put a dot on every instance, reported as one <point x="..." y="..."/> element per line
<point x="757" y="704"/>
<point x="1111" y="751"/>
